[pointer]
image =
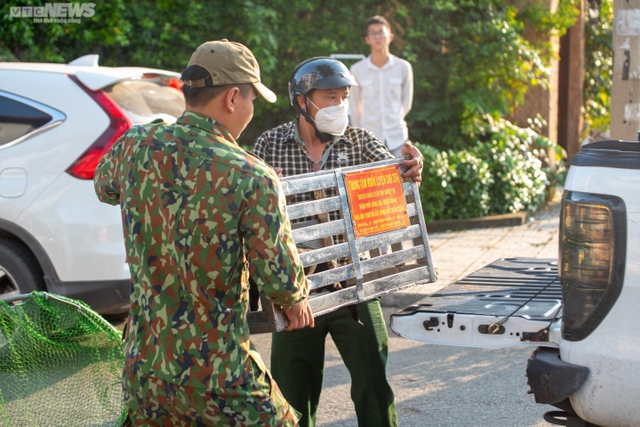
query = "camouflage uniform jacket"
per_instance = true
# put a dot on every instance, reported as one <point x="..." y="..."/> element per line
<point x="199" y="216"/>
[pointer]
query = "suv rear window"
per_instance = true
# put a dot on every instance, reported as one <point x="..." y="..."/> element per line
<point x="18" y="119"/>
<point x="148" y="99"/>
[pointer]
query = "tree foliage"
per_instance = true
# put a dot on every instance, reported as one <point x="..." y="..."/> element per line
<point x="470" y="57"/>
<point x="473" y="62"/>
<point x="598" y="67"/>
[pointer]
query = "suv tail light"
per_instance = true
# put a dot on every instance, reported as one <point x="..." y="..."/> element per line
<point x="85" y="166"/>
<point x="592" y="255"/>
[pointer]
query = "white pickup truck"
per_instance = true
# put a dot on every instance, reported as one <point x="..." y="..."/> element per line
<point x="579" y="311"/>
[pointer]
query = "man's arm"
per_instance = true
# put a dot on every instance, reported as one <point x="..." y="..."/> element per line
<point x="274" y="263"/>
<point x="374" y="150"/>
<point x="355" y="102"/>
<point x="299" y="316"/>
<point x="104" y="180"/>
<point x="407" y="90"/>
<point x="260" y="147"/>
<point x="414" y="164"/>
<point x="415" y="161"/>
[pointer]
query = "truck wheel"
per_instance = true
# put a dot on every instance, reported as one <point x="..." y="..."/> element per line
<point x="20" y="273"/>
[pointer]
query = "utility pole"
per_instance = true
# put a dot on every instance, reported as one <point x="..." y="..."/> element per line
<point x="625" y="87"/>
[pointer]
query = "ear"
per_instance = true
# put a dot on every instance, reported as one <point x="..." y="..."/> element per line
<point x="231" y="98"/>
<point x="300" y="100"/>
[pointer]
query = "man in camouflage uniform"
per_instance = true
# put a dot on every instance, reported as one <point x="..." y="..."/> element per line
<point x="200" y="216"/>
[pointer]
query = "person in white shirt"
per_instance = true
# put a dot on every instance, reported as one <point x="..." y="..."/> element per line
<point x="384" y="93"/>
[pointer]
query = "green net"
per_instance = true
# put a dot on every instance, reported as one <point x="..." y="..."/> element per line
<point x="60" y="364"/>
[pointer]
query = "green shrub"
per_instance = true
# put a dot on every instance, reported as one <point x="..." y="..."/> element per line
<point x="510" y="169"/>
<point x="435" y="180"/>
<point x="468" y="189"/>
<point x="519" y="181"/>
<point x="516" y="165"/>
<point x="553" y="159"/>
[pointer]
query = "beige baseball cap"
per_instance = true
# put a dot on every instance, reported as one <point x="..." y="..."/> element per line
<point x="228" y="63"/>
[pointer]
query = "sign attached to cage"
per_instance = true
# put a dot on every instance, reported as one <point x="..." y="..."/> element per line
<point x="376" y="200"/>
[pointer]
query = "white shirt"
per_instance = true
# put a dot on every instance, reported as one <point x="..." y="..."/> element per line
<point x="382" y="99"/>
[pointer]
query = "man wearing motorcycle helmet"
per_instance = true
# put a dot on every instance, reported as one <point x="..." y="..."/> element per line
<point x="319" y="138"/>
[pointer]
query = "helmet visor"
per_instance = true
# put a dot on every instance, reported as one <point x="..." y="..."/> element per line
<point x="336" y="80"/>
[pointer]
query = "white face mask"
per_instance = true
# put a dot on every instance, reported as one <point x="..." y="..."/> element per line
<point x="332" y="120"/>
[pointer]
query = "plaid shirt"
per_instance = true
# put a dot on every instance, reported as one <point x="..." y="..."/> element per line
<point x="282" y="147"/>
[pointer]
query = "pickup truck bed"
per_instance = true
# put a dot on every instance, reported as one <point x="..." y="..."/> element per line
<point x="512" y="301"/>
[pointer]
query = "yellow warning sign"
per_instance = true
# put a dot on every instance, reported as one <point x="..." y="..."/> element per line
<point x="376" y="200"/>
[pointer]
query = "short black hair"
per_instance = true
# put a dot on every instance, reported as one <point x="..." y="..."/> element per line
<point x="198" y="96"/>
<point x="376" y="19"/>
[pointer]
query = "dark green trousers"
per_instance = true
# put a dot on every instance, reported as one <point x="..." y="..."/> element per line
<point x="297" y="364"/>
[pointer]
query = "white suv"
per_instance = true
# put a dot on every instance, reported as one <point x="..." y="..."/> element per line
<point x="56" y="122"/>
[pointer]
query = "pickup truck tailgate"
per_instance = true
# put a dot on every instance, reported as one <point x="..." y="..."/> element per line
<point x="510" y="302"/>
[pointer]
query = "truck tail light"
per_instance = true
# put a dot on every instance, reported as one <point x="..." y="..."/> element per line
<point x="592" y="252"/>
<point x="85" y="166"/>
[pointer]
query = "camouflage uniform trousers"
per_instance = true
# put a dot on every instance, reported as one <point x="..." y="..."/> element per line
<point x="154" y="402"/>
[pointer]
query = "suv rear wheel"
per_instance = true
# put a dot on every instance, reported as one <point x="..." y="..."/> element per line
<point x="19" y="271"/>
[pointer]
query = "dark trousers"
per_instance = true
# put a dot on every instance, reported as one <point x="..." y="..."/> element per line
<point x="297" y="364"/>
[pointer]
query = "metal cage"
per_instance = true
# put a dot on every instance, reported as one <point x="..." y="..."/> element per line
<point x="344" y="221"/>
